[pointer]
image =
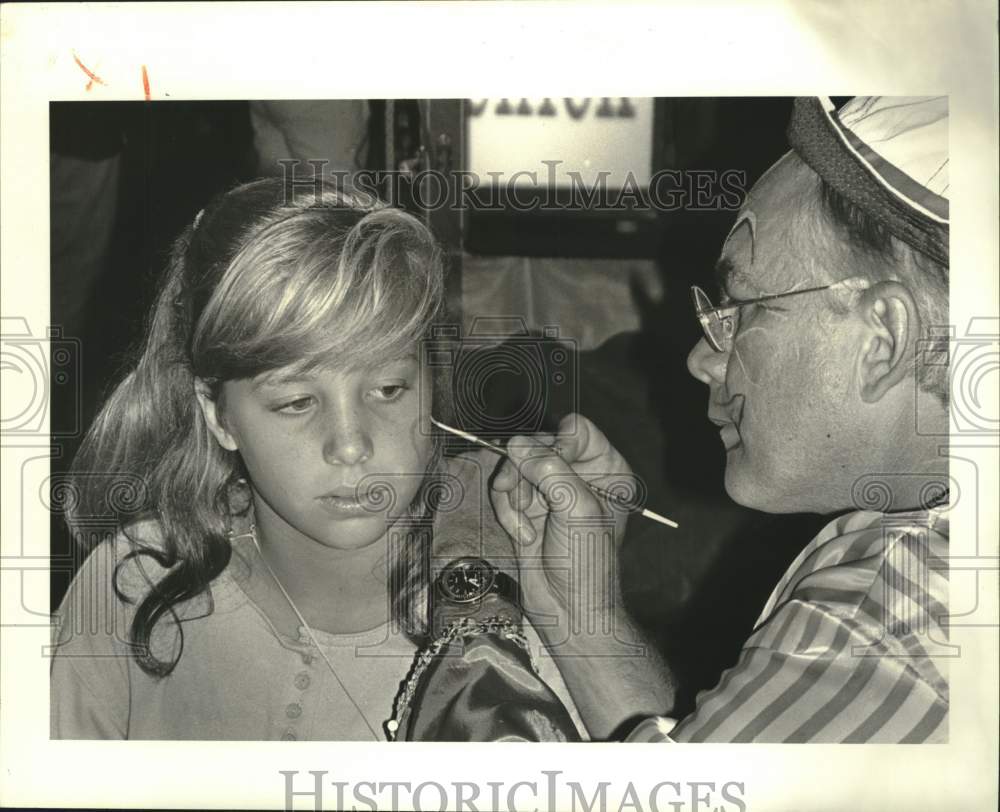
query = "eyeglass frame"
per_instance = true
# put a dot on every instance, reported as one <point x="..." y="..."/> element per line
<point x="702" y="314"/>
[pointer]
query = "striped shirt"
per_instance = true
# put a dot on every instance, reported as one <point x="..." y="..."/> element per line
<point x="852" y="645"/>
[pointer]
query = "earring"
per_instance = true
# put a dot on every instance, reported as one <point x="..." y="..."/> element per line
<point x="232" y="535"/>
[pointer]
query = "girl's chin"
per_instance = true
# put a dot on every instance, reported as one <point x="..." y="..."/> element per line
<point x="344" y="536"/>
<point x="350" y="546"/>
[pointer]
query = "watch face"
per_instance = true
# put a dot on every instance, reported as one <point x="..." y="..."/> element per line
<point x="466" y="580"/>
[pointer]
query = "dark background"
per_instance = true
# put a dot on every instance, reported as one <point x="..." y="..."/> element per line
<point x="698" y="590"/>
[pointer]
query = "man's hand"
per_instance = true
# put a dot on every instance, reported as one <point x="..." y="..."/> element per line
<point x="567" y="541"/>
<point x="541" y="498"/>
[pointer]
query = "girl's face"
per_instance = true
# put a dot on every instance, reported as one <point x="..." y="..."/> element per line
<point x="312" y="444"/>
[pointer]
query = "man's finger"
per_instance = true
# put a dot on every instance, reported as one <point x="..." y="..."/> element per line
<point x="579" y="440"/>
<point x="562" y="488"/>
<point x="506" y="478"/>
<point x="525" y="493"/>
<point x="511" y="520"/>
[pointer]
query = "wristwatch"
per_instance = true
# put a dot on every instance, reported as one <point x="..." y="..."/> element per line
<point x="468" y="581"/>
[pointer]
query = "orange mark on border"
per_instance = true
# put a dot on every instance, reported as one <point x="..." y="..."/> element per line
<point x="145" y="83"/>
<point x="90" y="74"/>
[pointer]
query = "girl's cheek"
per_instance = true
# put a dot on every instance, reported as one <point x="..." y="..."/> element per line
<point x="420" y="436"/>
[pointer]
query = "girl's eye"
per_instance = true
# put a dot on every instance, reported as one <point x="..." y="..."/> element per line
<point x="389" y="392"/>
<point x="297" y="406"/>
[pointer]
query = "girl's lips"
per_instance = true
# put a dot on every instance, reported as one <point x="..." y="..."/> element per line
<point x="345" y="506"/>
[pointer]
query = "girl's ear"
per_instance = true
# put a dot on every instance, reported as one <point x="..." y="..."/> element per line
<point x="209" y="409"/>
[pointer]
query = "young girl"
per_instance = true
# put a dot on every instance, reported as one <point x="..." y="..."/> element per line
<point x="267" y="469"/>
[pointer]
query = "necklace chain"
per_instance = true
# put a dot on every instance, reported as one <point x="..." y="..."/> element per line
<point x="312" y="637"/>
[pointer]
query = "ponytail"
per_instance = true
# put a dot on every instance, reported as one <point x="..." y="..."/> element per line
<point x="151" y="432"/>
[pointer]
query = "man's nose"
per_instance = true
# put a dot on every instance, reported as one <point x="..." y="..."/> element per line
<point x="348" y="440"/>
<point x="707" y="365"/>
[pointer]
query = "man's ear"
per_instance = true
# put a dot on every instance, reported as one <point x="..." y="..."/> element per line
<point x="210" y="411"/>
<point x="892" y="323"/>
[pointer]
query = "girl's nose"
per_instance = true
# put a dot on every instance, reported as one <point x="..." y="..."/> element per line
<point x="348" y="441"/>
<point x="707" y="365"/>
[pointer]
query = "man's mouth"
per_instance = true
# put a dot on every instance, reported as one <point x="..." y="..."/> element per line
<point x="728" y="418"/>
<point x="730" y="435"/>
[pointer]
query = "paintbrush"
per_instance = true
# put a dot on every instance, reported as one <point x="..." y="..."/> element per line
<point x="611" y="497"/>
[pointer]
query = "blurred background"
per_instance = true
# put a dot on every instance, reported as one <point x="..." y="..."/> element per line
<point x="571" y="299"/>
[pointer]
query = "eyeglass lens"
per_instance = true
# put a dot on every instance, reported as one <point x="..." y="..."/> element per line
<point x="720" y="326"/>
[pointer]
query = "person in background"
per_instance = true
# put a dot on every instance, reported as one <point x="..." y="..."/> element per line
<point x="86" y="143"/>
<point x="820" y="359"/>
<point x="305" y="130"/>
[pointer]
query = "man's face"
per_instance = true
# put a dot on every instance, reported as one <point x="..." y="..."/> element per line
<point x="781" y="395"/>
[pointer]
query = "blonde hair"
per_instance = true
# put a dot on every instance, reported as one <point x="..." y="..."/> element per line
<point x="268" y="276"/>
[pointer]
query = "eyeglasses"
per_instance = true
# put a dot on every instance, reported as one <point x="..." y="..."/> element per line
<point x="721" y="323"/>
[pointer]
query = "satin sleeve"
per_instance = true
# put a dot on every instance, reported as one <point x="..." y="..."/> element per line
<point x="480" y="686"/>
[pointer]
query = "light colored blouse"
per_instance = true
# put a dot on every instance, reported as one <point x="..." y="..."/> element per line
<point x="238" y="676"/>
